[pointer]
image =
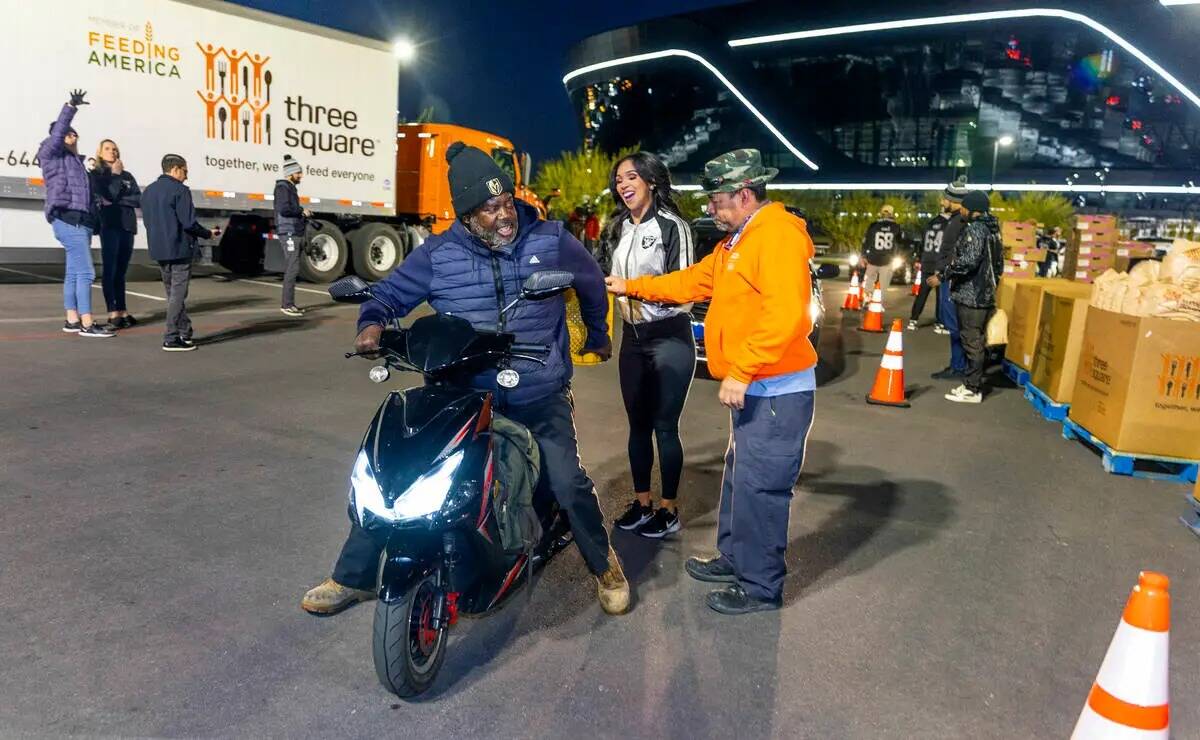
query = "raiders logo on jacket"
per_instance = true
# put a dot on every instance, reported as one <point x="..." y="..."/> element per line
<point x="661" y="243"/>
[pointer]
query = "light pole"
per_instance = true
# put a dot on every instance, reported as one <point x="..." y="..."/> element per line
<point x="1005" y="140"/>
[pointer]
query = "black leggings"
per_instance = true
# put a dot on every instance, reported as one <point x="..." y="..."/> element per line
<point x="656" y="363"/>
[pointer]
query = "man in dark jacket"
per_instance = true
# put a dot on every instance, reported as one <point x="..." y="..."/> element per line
<point x="291" y="225"/>
<point x="171" y="231"/>
<point x="974" y="276"/>
<point x="947" y="314"/>
<point x="71" y="211"/>
<point x="473" y="271"/>
<point x="879" y="249"/>
<point x="931" y="249"/>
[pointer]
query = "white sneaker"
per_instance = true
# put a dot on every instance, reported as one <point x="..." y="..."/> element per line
<point x="940" y="329"/>
<point x="962" y="395"/>
<point x="912" y="324"/>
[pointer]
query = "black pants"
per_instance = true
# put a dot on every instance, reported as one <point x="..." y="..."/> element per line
<point x="552" y="423"/>
<point x="116" y="249"/>
<point x="293" y="247"/>
<point x="176" y="277"/>
<point x="657" y="362"/>
<point x="919" y="302"/>
<point x="972" y="329"/>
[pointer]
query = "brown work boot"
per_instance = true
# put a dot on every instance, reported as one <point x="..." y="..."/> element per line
<point x="611" y="586"/>
<point x="330" y="597"/>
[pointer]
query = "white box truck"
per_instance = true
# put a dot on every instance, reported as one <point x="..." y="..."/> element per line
<point x="230" y="89"/>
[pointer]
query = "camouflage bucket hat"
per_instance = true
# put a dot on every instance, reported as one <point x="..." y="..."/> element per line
<point x="732" y="171"/>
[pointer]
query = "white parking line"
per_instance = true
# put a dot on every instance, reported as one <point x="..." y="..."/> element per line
<point x="277" y="285"/>
<point x="95" y="287"/>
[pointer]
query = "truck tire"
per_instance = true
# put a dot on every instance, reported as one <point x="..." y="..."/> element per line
<point x="376" y="249"/>
<point x="325" y="259"/>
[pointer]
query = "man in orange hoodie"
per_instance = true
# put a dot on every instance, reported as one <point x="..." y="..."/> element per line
<point x="756" y="334"/>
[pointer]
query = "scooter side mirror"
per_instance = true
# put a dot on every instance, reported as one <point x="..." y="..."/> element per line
<point x="350" y="289"/>
<point x="827" y="271"/>
<point x="545" y="284"/>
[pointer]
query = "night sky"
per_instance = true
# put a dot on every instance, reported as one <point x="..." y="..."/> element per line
<point x="493" y="66"/>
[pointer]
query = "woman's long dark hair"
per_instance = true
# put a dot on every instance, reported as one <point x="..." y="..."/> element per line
<point x="651" y="169"/>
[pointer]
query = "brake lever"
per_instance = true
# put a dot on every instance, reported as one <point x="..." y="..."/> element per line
<point x="539" y="360"/>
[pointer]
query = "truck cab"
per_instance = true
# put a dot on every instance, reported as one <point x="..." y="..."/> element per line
<point x="422" y="190"/>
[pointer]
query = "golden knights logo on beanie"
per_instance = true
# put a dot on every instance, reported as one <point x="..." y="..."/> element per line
<point x="474" y="177"/>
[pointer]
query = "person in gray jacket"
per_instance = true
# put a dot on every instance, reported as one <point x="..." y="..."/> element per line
<point x="291" y="227"/>
<point x="647" y="236"/>
<point x="171" y="232"/>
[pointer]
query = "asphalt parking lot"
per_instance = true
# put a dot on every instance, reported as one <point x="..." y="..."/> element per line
<point x="955" y="571"/>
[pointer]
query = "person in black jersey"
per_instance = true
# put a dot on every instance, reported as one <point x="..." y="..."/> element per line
<point x="647" y="236"/>
<point x="879" y="249"/>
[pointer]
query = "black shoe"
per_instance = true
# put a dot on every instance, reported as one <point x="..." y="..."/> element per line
<point x="712" y="570"/>
<point x="118" y="323"/>
<point x="71" y="327"/>
<point x="177" y="345"/>
<point x="188" y="341"/>
<point x="129" y="321"/>
<point x="635" y="516"/>
<point x="95" y="331"/>
<point x="948" y="373"/>
<point x="663" y="523"/>
<point x="734" y="600"/>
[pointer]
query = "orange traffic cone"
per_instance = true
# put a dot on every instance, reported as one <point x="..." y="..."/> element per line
<point x="873" y="318"/>
<point x="1130" y="698"/>
<point x="916" y="286"/>
<point x="889" y="380"/>
<point x="853" y="300"/>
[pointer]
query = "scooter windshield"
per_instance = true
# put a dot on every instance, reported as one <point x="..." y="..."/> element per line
<point x="440" y="343"/>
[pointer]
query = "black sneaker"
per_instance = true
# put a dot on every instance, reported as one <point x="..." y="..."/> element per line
<point x="712" y="570"/>
<point x="129" y="321"/>
<point x="188" y="341"/>
<point x="635" y="516"/>
<point x="96" y="331"/>
<point x="177" y="345"/>
<point x="663" y="523"/>
<point x="733" y="600"/>
<point x="71" y="327"/>
<point x="948" y="373"/>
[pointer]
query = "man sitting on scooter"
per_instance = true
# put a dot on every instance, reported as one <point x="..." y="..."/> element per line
<point x="472" y="271"/>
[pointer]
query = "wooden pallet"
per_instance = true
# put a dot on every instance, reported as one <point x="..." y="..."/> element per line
<point x="1016" y="374"/>
<point x="1135" y="464"/>
<point x="1050" y="410"/>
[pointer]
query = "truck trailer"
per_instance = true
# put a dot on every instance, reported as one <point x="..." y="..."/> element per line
<point x="232" y="90"/>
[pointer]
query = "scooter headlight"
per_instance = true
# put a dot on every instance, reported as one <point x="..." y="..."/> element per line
<point x="424" y="497"/>
<point x="897" y="263"/>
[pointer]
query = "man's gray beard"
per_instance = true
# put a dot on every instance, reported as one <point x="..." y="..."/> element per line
<point x="723" y="226"/>
<point x="491" y="239"/>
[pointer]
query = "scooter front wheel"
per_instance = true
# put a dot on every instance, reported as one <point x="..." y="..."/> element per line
<point x="409" y="639"/>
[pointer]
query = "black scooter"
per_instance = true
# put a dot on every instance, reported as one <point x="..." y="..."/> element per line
<point x="422" y="484"/>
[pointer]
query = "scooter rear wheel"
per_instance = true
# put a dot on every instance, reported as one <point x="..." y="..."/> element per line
<point x="409" y="640"/>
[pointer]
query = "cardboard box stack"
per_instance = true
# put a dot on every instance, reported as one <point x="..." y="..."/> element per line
<point x="1092" y="248"/>
<point x="1021" y="254"/>
<point x="1025" y="318"/>
<point x="1130" y="252"/>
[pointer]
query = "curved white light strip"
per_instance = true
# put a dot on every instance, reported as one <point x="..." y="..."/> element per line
<point x="973" y="18"/>
<point x="716" y="73"/>
<point x="1002" y="186"/>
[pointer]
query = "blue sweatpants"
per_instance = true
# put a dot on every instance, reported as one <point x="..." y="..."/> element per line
<point x="766" y="451"/>
<point x="948" y="315"/>
<point x="80" y="272"/>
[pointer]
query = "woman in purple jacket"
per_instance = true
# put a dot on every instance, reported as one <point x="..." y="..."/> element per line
<point x="70" y="210"/>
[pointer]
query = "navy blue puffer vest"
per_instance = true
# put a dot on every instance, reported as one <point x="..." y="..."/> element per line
<point x="474" y="282"/>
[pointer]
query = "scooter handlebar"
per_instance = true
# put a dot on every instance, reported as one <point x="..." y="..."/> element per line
<point x="530" y="349"/>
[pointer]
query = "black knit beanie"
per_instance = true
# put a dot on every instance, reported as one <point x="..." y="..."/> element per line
<point x="475" y="178"/>
<point x="976" y="201"/>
